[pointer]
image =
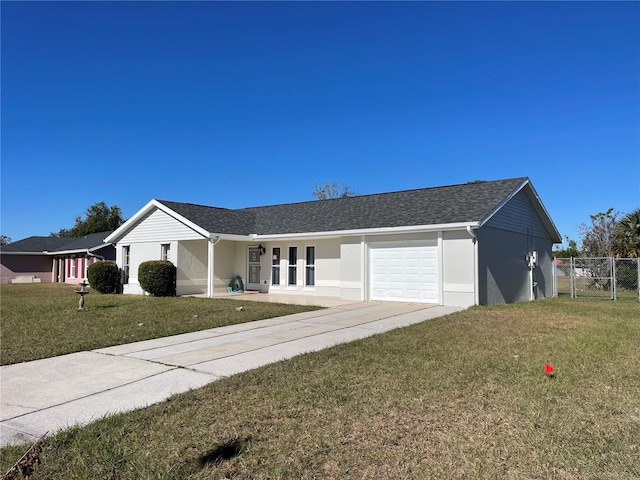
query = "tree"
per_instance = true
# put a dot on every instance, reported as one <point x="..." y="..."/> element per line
<point x="99" y="218"/>
<point x="570" y="251"/>
<point x="599" y="238"/>
<point x="332" y="190"/>
<point x="627" y="242"/>
<point x="4" y="239"/>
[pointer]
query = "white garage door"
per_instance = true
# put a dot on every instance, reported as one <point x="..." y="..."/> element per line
<point x="404" y="272"/>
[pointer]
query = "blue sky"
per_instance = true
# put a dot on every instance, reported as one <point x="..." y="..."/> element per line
<point x="246" y="104"/>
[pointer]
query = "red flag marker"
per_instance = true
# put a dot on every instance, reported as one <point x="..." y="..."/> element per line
<point x="548" y="369"/>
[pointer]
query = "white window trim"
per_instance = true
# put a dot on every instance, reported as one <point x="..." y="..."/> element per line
<point x="295" y="285"/>
<point x="279" y="266"/>
<point x="307" y="265"/>
<point x="126" y="267"/>
<point x="165" y="252"/>
<point x="73" y="267"/>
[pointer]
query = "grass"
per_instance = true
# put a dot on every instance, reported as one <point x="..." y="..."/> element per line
<point x="42" y="320"/>
<point x="462" y="396"/>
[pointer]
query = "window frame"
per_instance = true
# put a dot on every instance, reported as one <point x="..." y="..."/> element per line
<point x="309" y="267"/>
<point x="275" y="266"/>
<point x="126" y="263"/>
<point x="292" y="268"/>
<point x="165" y="252"/>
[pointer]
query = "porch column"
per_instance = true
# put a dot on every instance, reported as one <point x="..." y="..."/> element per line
<point x="210" y="264"/>
<point x="61" y="270"/>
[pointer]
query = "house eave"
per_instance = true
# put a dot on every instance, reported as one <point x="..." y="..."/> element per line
<point x="24" y="253"/>
<point x="78" y="250"/>
<point x="368" y="231"/>
<point x="231" y="236"/>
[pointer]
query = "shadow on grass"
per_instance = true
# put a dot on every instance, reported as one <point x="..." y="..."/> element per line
<point x="211" y="458"/>
<point x="106" y="305"/>
<point x="225" y="451"/>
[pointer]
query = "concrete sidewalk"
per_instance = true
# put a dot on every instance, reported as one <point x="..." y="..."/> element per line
<point x="50" y="394"/>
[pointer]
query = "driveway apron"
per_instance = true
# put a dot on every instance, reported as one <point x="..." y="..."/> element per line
<point x="50" y="394"/>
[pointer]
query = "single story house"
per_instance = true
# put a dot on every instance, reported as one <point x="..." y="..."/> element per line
<point x="53" y="259"/>
<point x="483" y="242"/>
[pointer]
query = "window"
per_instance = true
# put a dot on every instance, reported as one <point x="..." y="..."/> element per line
<point x="125" y="264"/>
<point x="310" y="269"/>
<point x="275" y="266"/>
<point x="72" y="268"/>
<point x="293" y="265"/>
<point x="165" y="249"/>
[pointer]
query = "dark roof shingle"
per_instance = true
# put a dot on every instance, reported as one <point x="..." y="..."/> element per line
<point x="35" y="244"/>
<point x="469" y="202"/>
<point x="38" y="244"/>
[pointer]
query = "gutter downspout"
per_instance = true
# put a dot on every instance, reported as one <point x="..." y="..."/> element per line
<point x="89" y="254"/>
<point x="212" y="242"/>
<point x="476" y="273"/>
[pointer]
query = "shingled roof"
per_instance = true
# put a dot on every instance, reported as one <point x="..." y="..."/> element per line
<point x="34" y="245"/>
<point x="38" y="244"/>
<point x="464" y="203"/>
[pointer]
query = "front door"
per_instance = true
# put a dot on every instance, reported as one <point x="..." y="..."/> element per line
<point x="253" y="278"/>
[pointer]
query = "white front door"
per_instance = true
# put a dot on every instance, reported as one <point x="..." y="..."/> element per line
<point x="253" y="275"/>
<point x="404" y="272"/>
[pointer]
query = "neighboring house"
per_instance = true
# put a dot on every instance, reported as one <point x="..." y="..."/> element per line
<point x="454" y="245"/>
<point x="53" y="259"/>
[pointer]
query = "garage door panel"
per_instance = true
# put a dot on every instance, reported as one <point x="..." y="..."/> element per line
<point x="404" y="273"/>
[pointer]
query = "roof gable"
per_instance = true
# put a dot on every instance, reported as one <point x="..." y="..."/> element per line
<point x="465" y="203"/>
<point x="455" y="205"/>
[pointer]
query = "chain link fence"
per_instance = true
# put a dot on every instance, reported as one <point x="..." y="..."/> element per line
<point x="606" y="278"/>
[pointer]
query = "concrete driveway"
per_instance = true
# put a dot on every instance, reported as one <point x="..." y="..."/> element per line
<point x="50" y="394"/>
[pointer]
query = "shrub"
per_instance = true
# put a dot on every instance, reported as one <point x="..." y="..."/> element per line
<point x="103" y="276"/>
<point x="158" y="278"/>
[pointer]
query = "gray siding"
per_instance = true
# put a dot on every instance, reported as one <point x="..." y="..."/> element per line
<point x="108" y="252"/>
<point x="518" y="215"/>
<point x="503" y="270"/>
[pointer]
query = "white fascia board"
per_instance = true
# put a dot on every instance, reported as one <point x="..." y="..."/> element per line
<point x="126" y="226"/>
<point x="197" y="228"/>
<point x="544" y="215"/>
<point x="230" y="236"/>
<point x="371" y="231"/>
<point x="77" y="250"/>
<point x="24" y="253"/>
<point x="146" y="210"/>
<point x="502" y="203"/>
<point x="537" y="205"/>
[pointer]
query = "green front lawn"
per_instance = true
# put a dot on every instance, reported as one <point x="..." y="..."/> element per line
<point x="42" y="320"/>
<point x="462" y="396"/>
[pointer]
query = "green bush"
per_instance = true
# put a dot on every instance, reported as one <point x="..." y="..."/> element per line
<point x="158" y="278"/>
<point x="103" y="276"/>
